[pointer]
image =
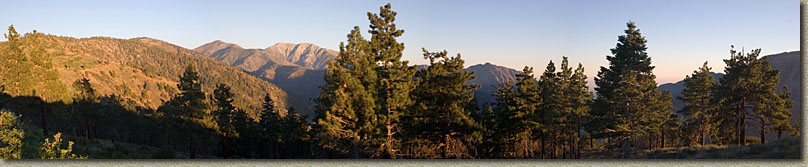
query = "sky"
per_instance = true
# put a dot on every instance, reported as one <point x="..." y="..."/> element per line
<point x="681" y="34"/>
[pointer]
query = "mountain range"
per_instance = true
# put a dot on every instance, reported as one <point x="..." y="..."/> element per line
<point x="296" y="68"/>
<point x="281" y="64"/>
<point x="303" y="78"/>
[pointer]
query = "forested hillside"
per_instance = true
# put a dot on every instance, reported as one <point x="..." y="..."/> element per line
<point x="68" y="98"/>
<point x="146" y="70"/>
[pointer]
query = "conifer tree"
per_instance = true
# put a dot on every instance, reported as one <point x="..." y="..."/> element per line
<point x="516" y="116"/>
<point x="190" y="110"/>
<point x="780" y="112"/>
<point x="346" y="109"/>
<point x="747" y="93"/>
<point x="270" y="125"/>
<point x="551" y="114"/>
<point x="579" y="103"/>
<point x="698" y="111"/>
<point x="192" y="98"/>
<point x="441" y="116"/>
<point x="296" y="137"/>
<point x="223" y="114"/>
<point x="394" y="79"/>
<point x="84" y="109"/>
<point x="628" y="104"/>
<point x="566" y="100"/>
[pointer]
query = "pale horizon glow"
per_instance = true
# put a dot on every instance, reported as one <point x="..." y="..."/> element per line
<point x="681" y="34"/>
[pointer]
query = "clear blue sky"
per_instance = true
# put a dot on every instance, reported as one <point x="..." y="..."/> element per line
<point x="681" y="34"/>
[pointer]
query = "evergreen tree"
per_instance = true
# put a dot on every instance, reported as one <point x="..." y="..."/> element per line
<point x="580" y="101"/>
<point x="296" y="135"/>
<point x="249" y="135"/>
<point x="192" y="98"/>
<point x="394" y="79"/>
<point x="441" y="118"/>
<point x="346" y="109"/>
<point x="552" y="112"/>
<point x="780" y="112"/>
<point x="566" y="100"/>
<point x="189" y="111"/>
<point x="628" y="104"/>
<point x="747" y="93"/>
<point x="223" y="115"/>
<point x="516" y="118"/>
<point x="698" y="111"/>
<point x="84" y="109"/>
<point x="270" y="125"/>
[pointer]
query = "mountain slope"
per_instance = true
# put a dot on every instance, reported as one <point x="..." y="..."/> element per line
<point x="298" y="69"/>
<point x="489" y="76"/>
<point x="146" y="71"/>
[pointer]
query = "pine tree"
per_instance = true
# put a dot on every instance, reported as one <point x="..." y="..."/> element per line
<point x="580" y="101"/>
<point x="780" y="113"/>
<point x="698" y="111"/>
<point x="270" y="126"/>
<point x="190" y="110"/>
<point x="441" y="116"/>
<point x="394" y="79"/>
<point x="747" y="93"/>
<point x="566" y="102"/>
<point x="84" y="109"/>
<point x="628" y="103"/>
<point x="192" y="98"/>
<point x="346" y="109"/>
<point x="249" y="136"/>
<point x="296" y="136"/>
<point x="516" y="116"/>
<point x="223" y="99"/>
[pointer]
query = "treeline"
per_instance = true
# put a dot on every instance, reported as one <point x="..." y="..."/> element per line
<point x="375" y="105"/>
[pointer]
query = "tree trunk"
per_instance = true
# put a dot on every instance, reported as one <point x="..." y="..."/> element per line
<point x="626" y="148"/>
<point x="743" y="130"/>
<point x="762" y="131"/>
<point x="541" y="144"/>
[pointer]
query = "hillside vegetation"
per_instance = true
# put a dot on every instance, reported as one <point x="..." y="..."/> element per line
<point x="146" y="70"/>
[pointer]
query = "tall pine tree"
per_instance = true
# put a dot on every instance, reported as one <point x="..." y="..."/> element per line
<point x="516" y="118"/>
<point x="394" y="79"/>
<point x="698" y="111"/>
<point x="346" y="109"/>
<point x="441" y="117"/>
<point x="747" y="95"/>
<point x="628" y="103"/>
